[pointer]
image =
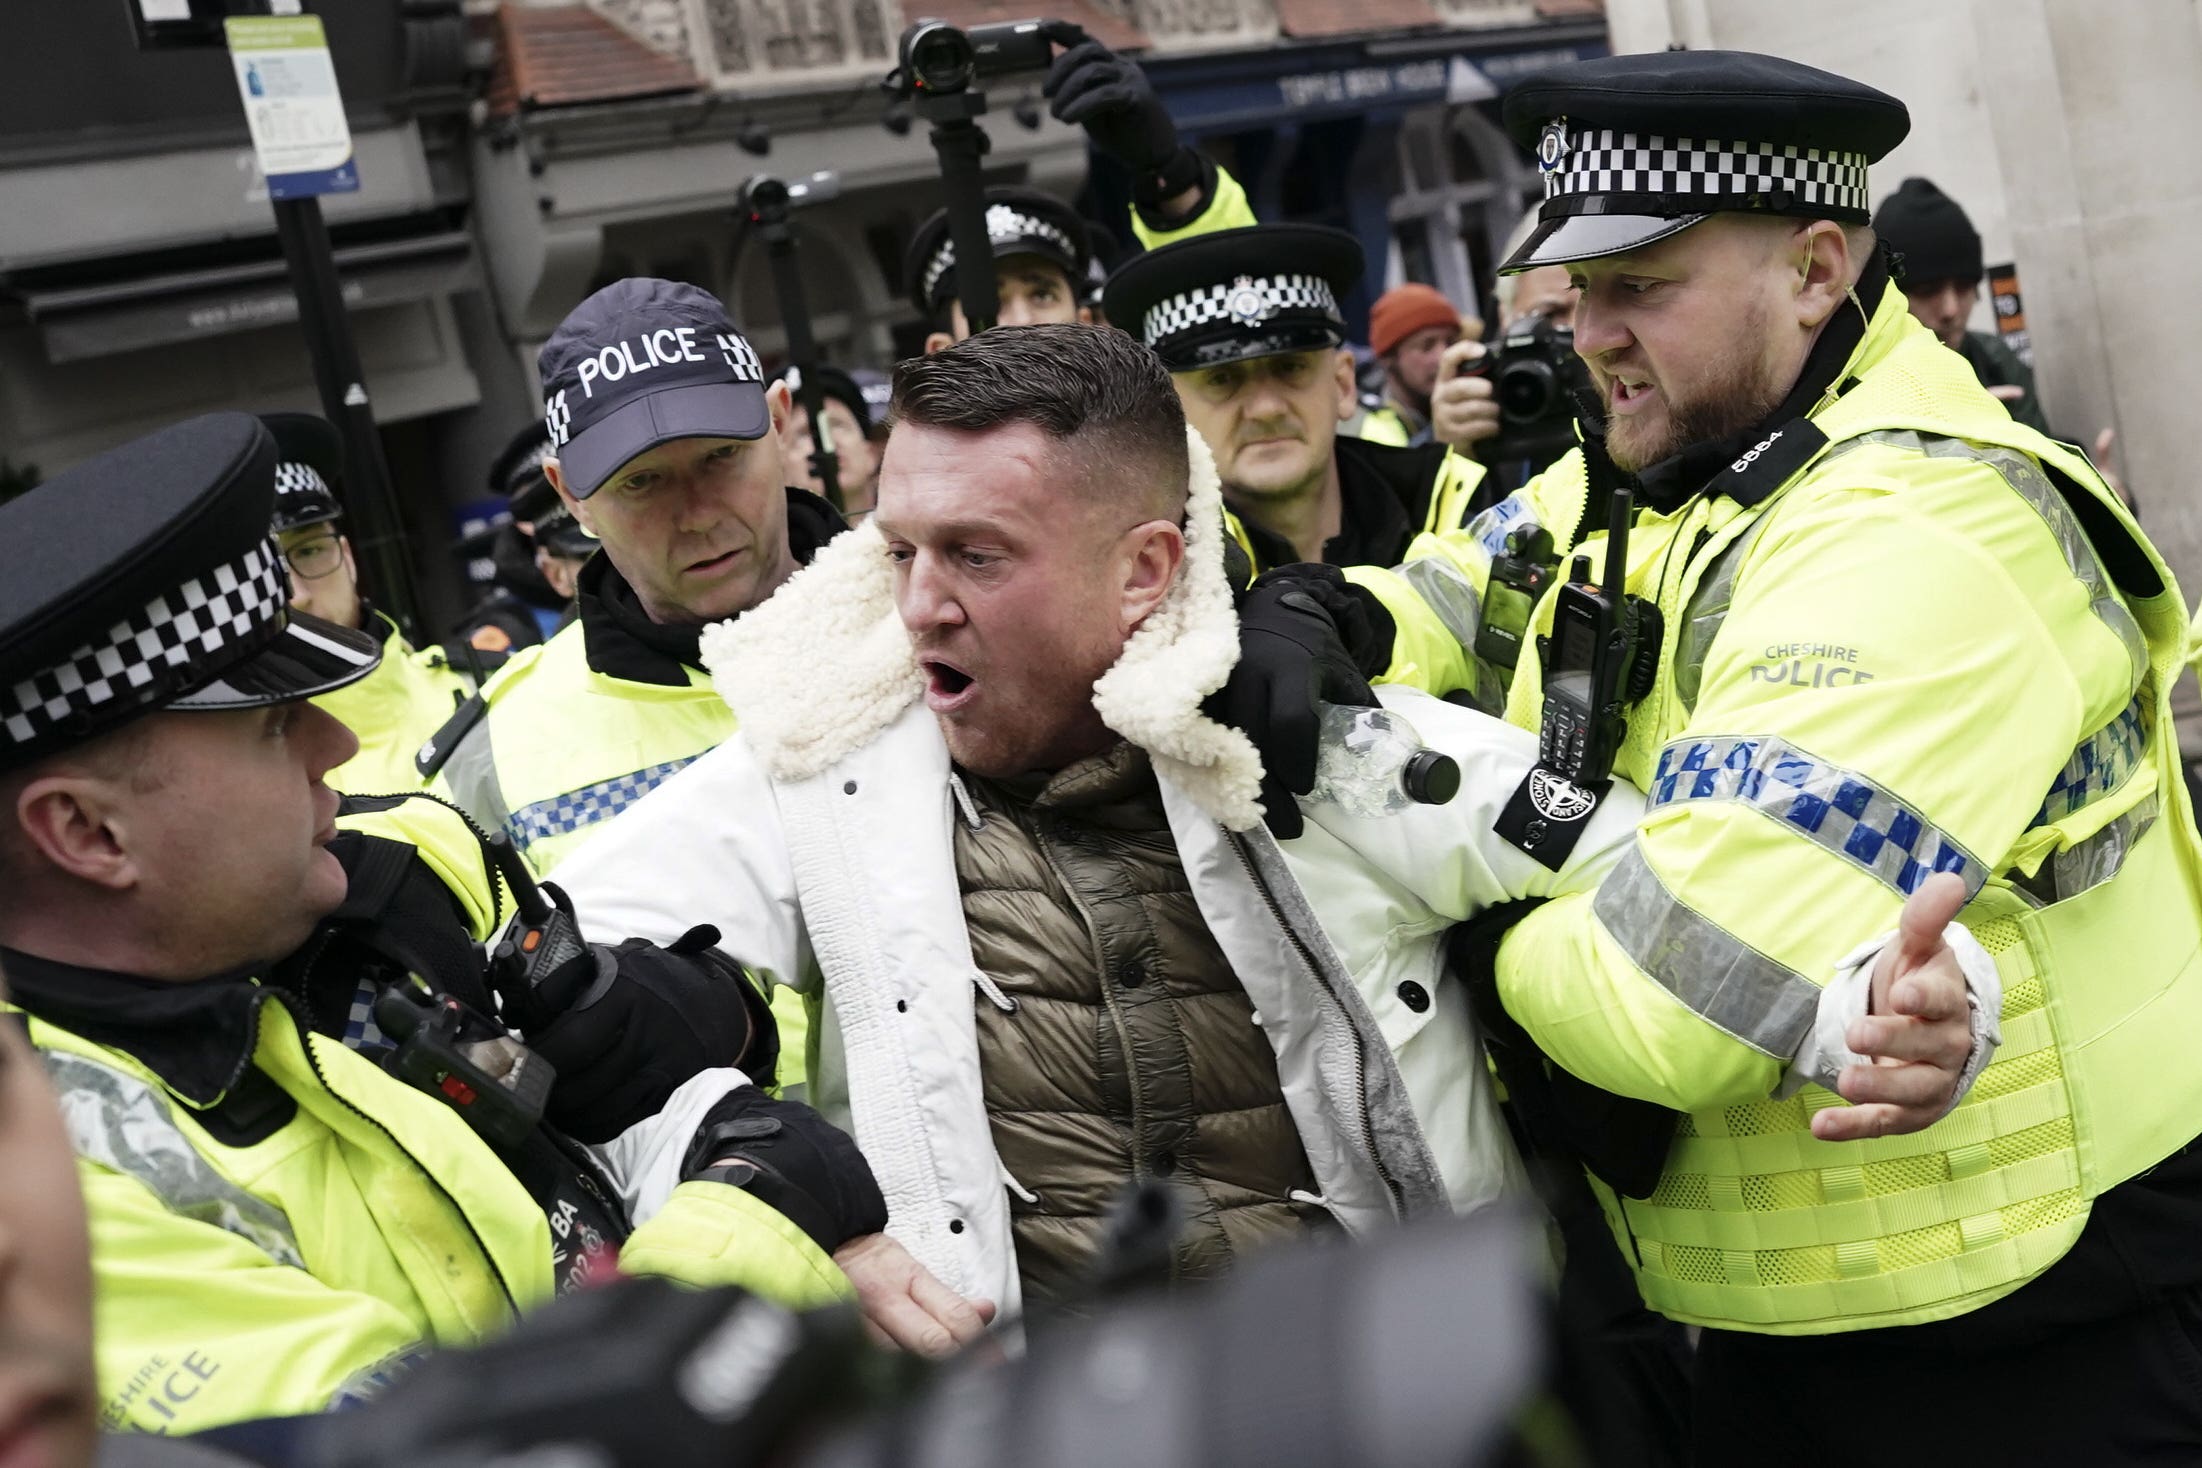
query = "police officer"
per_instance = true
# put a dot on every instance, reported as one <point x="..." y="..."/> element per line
<point x="1248" y="322"/>
<point x="1041" y="253"/>
<point x="519" y="607"/>
<point x="409" y="694"/>
<point x="666" y="448"/>
<point x="561" y="544"/>
<point x="310" y="1149"/>
<point x="1903" y="635"/>
<point x="849" y="423"/>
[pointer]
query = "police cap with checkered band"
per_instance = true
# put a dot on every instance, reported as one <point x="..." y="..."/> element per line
<point x="640" y="363"/>
<point x="1018" y="222"/>
<point x="1636" y="148"/>
<point x="1237" y="294"/>
<point x="309" y="458"/>
<point x="145" y="579"/>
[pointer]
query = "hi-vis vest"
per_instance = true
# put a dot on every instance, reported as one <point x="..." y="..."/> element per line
<point x="404" y="700"/>
<point x="1921" y="653"/>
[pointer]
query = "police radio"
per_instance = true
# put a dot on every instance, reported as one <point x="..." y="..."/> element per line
<point x="1601" y="656"/>
<point x="466" y="1061"/>
<point x="543" y="937"/>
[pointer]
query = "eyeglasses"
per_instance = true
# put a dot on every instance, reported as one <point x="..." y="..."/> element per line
<point x="310" y="560"/>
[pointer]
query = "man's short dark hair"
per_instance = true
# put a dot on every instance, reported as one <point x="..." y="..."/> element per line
<point x="1103" y="398"/>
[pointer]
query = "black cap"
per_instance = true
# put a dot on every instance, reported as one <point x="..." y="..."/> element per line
<point x="835" y="384"/>
<point x="1931" y="236"/>
<point x="517" y="471"/>
<point x="879" y="392"/>
<point x="309" y="458"/>
<point x="144" y="579"/>
<point x="1018" y="222"/>
<point x="1237" y="294"/>
<point x="1635" y="148"/>
<point x="640" y="363"/>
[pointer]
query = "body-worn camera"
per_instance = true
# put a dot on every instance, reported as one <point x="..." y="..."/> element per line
<point x="1536" y="379"/>
<point x="939" y="58"/>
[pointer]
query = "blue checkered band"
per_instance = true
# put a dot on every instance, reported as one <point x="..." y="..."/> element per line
<point x="562" y="815"/>
<point x="1005" y="225"/>
<point x="2100" y="765"/>
<point x="1583" y="162"/>
<point x="1249" y="301"/>
<point x="360" y="1030"/>
<point x="1835" y="808"/>
<point x="197" y="621"/>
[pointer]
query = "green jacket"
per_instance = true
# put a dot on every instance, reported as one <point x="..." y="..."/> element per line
<point x="405" y="699"/>
<point x="1918" y="637"/>
<point x="279" y="1226"/>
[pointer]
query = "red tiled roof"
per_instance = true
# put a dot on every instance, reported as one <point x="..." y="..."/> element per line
<point x="1111" y="31"/>
<point x="1343" y="17"/>
<point x="560" y="55"/>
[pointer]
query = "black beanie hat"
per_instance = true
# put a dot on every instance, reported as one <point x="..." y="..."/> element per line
<point x="1927" y="228"/>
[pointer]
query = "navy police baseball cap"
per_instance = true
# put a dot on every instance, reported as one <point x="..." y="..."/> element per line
<point x="640" y="363"/>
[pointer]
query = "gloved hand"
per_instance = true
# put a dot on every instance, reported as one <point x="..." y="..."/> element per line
<point x="1307" y="637"/>
<point x="792" y="1160"/>
<point x="626" y="1025"/>
<point x="638" y="1374"/>
<point x="1092" y="87"/>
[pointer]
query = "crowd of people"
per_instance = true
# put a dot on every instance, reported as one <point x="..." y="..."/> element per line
<point x="1758" y="919"/>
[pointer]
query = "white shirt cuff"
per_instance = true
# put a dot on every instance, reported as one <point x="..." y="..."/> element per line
<point x="1824" y="1054"/>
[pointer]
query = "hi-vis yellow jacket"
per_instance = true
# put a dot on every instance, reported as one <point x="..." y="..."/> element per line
<point x="288" y="1268"/>
<point x="1940" y="644"/>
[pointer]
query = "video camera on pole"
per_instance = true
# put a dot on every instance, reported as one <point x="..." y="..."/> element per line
<point x="937" y="66"/>
<point x="764" y="205"/>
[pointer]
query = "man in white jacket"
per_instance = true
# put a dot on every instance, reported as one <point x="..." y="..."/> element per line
<point x="976" y="803"/>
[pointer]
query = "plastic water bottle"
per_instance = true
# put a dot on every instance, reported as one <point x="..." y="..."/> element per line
<point x="1372" y="763"/>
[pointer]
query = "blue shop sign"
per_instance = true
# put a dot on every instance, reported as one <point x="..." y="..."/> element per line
<point x="1307" y="84"/>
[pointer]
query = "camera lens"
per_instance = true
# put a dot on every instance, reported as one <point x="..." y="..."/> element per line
<point x="938" y="57"/>
<point x="1526" y="391"/>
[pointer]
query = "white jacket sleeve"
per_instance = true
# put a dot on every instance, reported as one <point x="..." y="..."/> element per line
<point x="704" y="847"/>
<point x="1449" y="855"/>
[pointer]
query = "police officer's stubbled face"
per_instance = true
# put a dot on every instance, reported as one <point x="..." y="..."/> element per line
<point x="228" y="825"/>
<point x="1017" y="592"/>
<point x="1271" y="422"/>
<point x="48" y="1394"/>
<point x="1033" y="291"/>
<point x="1700" y="336"/>
<point x="856" y="459"/>
<point x="1945" y="306"/>
<point x="698" y="526"/>
<point x="1543" y="294"/>
<point x="1413" y="363"/>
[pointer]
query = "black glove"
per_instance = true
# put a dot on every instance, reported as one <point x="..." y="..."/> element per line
<point x="793" y="1160"/>
<point x="1307" y="637"/>
<point x="629" y="1024"/>
<point x="1092" y="87"/>
<point x="1562" y="1119"/>
<point x="642" y="1373"/>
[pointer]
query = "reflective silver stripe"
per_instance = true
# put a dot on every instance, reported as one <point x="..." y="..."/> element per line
<point x="2034" y="486"/>
<point x="124" y="1125"/>
<point x="1708" y="608"/>
<point x="470" y="774"/>
<point x="1730" y="984"/>
<point x="2097" y="859"/>
<point x="1836" y="809"/>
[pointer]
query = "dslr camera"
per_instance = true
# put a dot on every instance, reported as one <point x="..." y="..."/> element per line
<point x="938" y="59"/>
<point x="1539" y="384"/>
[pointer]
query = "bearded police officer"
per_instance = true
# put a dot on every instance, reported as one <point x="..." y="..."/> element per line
<point x="409" y="694"/>
<point x="1248" y="322"/>
<point x="310" y="1149"/>
<point x="1903" y="635"/>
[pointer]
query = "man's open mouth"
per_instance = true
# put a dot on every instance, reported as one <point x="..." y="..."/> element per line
<point x="946" y="685"/>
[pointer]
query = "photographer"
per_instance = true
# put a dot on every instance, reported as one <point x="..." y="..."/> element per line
<point x="1428" y="384"/>
<point x="1247" y="321"/>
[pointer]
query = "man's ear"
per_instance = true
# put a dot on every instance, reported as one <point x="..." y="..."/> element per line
<point x="1820" y="255"/>
<point x="1153" y="555"/>
<point x="578" y="508"/>
<point x="938" y="341"/>
<point x="1349" y="390"/>
<point x="72" y="819"/>
<point x="779" y="402"/>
